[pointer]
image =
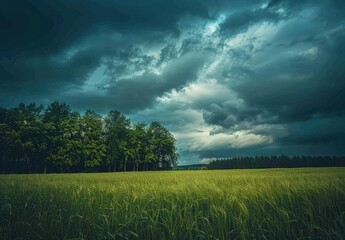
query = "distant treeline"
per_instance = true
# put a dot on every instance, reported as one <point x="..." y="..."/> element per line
<point x="35" y="139"/>
<point x="277" y="162"/>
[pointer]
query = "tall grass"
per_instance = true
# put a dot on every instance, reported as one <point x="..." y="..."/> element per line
<point x="229" y="204"/>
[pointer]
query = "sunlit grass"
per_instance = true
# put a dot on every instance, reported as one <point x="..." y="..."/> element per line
<point x="230" y="204"/>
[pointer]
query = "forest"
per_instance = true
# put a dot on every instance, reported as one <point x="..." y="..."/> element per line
<point x="282" y="161"/>
<point x="38" y="139"/>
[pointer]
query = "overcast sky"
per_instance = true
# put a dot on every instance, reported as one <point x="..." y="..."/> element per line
<point x="227" y="77"/>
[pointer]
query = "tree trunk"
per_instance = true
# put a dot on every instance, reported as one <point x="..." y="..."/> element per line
<point x="45" y="169"/>
<point x="124" y="166"/>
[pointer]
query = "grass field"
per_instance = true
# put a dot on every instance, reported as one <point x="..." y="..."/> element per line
<point x="301" y="203"/>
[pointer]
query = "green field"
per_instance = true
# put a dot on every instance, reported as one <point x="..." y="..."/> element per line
<point x="306" y="203"/>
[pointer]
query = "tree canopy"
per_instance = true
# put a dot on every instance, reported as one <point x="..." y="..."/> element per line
<point x="55" y="139"/>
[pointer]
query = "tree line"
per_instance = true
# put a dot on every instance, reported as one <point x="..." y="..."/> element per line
<point x="281" y="161"/>
<point x="38" y="139"/>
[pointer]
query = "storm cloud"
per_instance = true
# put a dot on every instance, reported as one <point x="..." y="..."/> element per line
<point x="228" y="78"/>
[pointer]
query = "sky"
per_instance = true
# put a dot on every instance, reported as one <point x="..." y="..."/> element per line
<point x="226" y="77"/>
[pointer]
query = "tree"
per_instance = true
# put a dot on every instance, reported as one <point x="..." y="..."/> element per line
<point x="55" y="139"/>
<point x="8" y="141"/>
<point x="29" y="127"/>
<point x="54" y="117"/>
<point x="138" y="141"/>
<point x="94" y="149"/>
<point x="116" y="133"/>
<point x="71" y="150"/>
<point x="161" y="149"/>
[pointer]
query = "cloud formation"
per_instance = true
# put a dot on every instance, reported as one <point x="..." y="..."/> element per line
<point x="227" y="77"/>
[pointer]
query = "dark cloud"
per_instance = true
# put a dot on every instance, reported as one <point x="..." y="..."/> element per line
<point x="298" y="88"/>
<point x="271" y="70"/>
<point x="241" y="21"/>
<point x="168" y="53"/>
<point x="44" y="27"/>
<point x="296" y="84"/>
<point x="36" y="36"/>
<point x="314" y="137"/>
<point x="139" y="92"/>
<point x="317" y="132"/>
<point x="51" y="73"/>
<point x="300" y="80"/>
